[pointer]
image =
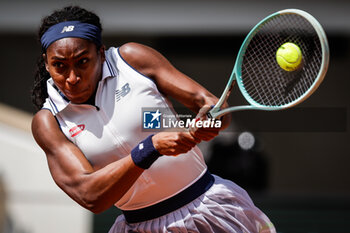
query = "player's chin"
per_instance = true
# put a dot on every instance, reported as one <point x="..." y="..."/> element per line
<point x="78" y="98"/>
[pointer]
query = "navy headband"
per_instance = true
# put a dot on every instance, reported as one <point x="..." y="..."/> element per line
<point x="71" y="29"/>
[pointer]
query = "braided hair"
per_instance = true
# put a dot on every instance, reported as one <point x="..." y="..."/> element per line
<point x="69" y="13"/>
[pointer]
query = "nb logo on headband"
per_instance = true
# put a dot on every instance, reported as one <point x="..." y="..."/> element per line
<point x="67" y="29"/>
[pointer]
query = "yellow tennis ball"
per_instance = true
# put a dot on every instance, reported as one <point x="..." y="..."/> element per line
<point x="289" y="56"/>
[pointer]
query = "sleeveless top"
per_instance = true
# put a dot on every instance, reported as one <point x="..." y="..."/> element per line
<point x="109" y="131"/>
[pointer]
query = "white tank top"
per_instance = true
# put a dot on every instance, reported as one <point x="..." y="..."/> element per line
<point x="112" y="128"/>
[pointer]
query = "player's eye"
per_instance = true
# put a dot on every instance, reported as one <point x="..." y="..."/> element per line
<point x="58" y="64"/>
<point x="83" y="61"/>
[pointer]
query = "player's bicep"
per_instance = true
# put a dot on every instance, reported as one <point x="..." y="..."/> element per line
<point x="66" y="162"/>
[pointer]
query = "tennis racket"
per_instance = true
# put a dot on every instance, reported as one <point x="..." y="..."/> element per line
<point x="263" y="83"/>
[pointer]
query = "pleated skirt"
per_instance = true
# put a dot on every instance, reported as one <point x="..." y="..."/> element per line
<point x="225" y="207"/>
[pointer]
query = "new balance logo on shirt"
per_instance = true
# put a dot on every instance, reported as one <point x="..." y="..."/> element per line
<point x="120" y="93"/>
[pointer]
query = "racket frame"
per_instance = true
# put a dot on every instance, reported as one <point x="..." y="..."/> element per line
<point x="236" y="74"/>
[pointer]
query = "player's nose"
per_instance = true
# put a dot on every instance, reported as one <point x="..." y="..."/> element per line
<point x="73" y="78"/>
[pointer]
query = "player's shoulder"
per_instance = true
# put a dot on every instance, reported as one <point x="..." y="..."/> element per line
<point x="141" y="57"/>
<point x="132" y="47"/>
<point x="135" y="51"/>
<point x="41" y="115"/>
<point x="46" y="131"/>
<point x="42" y="121"/>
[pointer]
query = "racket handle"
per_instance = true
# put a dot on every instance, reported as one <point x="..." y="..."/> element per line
<point x="209" y="115"/>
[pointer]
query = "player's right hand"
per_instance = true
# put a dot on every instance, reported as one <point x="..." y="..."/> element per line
<point x="174" y="143"/>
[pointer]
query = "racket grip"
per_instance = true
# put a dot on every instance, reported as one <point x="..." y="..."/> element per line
<point x="209" y="115"/>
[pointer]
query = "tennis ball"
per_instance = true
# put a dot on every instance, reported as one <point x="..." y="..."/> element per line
<point x="289" y="56"/>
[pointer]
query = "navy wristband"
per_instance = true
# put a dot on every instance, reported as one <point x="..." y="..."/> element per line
<point x="144" y="154"/>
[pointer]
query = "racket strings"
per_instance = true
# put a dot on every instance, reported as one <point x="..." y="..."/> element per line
<point x="263" y="79"/>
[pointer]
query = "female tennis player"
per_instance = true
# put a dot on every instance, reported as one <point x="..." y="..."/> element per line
<point x="89" y="125"/>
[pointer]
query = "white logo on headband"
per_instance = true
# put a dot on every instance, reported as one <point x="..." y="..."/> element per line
<point x="67" y="29"/>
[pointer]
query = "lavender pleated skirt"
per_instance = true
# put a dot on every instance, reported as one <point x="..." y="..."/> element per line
<point x="225" y="207"/>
